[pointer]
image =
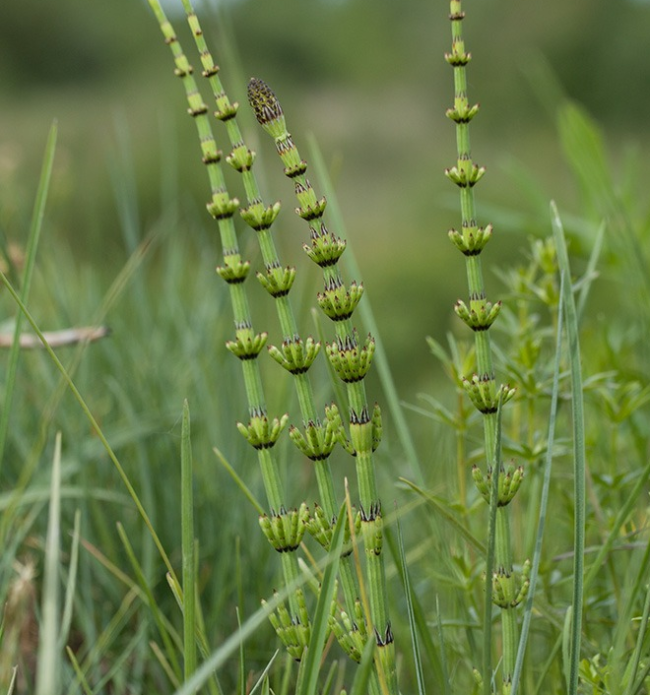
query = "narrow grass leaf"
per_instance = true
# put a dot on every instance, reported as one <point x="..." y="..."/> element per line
<point x="81" y="678"/>
<point x="364" y="670"/>
<point x="417" y="659"/>
<point x="428" y="644"/>
<point x="578" y="424"/>
<point x="543" y="506"/>
<point x="30" y="261"/>
<point x="591" y="273"/>
<point x="187" y="534"/>
<point x="171" y="645"/>
<point x="49" y="659"/>
<point x="443" y="650"/>
<point x="240" y="483"/>
<point x="321" y="615"/>
<point x="635" y="661"/>
<point x="71" y="583"/>
<point x="263" y="680"/>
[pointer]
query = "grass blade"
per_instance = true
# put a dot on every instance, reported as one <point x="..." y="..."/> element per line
<point x="578" y="450"/>
<point x="528" y="612"/>
<point x="30" y="260"/>
<point x="48" y="669"/>
<point x="409" y="607"/>
<point x="187" y="531"/>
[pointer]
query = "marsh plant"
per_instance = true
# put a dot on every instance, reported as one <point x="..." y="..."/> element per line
<point x="489" y="578"/>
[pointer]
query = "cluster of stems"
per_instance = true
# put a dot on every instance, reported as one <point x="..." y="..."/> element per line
<point x="284" y="527"/>
<point x="508" y="587"/>
<point x="350" y="358"/>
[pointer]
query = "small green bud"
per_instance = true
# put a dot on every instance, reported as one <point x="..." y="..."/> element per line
<point x="510" y="480"/>
<point x="295" y="355"/>
<point x="310" y="207"/>
<point x="326" y="248"/>
<point x="221" y="207"/>
<point x="247" y="345"/>
<point x="463" y="113"/>
<point x="350" y="362"/>
<point x="235" y="270"/>
<point x="321" y="529"/>
<point x="317" y="442"/>
<point x="508" y="588"/>
<point x="241" y="158"/>
<point x="285" y="529"/>
<point x="484" y="395"/>
<point x="259" y="217"/>
<point x="277" y="281"/>
<point x="337" y="302"/>
<point x="227" y="111"/>
<point x="481" y="314"/>
<point x="472" y="240"/>
<point x="262" y="433"/>
<point x="465" y="177"/>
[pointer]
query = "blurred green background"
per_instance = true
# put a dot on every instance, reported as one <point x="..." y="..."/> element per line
<point x="367" y="77"/>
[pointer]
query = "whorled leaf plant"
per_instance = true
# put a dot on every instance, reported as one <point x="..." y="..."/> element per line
<point x="350" y="358"/>
<point x="508" y="588"/>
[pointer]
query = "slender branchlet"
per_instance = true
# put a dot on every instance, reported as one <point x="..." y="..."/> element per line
<point x="286" y="526"/>
<point x="508" y="589"/>
<point x="318" y="437"/>
<point x="349" y="355"/>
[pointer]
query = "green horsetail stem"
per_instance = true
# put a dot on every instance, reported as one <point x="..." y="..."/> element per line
<point x="295" y="355"/>
<point x="350" y="359"/>
<point x="261" y="431"/>
<point x="508" y="589"/>
<point x="317" y="439"/>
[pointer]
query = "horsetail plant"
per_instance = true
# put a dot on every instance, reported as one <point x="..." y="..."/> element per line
<point x="318" y="439"/>
<point x="508" y="589"/>
<point x="283" y="527"/>
<point x="350" y="360"/>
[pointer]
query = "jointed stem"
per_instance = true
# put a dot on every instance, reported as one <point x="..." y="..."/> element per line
<point x="479" y="315"/>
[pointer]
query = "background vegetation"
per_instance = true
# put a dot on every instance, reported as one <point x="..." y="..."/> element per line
<point x="368" y="79"/>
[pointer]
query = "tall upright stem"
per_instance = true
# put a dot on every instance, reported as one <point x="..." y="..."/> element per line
<point x="479" y="314"/>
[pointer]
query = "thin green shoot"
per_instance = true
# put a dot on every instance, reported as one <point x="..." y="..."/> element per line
<point x="188" y="547"/>
<point x="30" y="261"/>
<point x="578" y="424"/>
<point x="71" y="583"/>
<point x="417" y="658"/>
<point x="528" y="611"/>
<point x="48" y="673"/>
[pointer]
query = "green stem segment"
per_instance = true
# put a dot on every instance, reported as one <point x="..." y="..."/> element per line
<point x="349" y="357"/>
<point x="261" y="432"/>
<point x="479" y="314"/>
<point x="295" y="355"/>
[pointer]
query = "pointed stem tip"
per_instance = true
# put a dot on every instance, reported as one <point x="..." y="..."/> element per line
<point x="265" y="105"/>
